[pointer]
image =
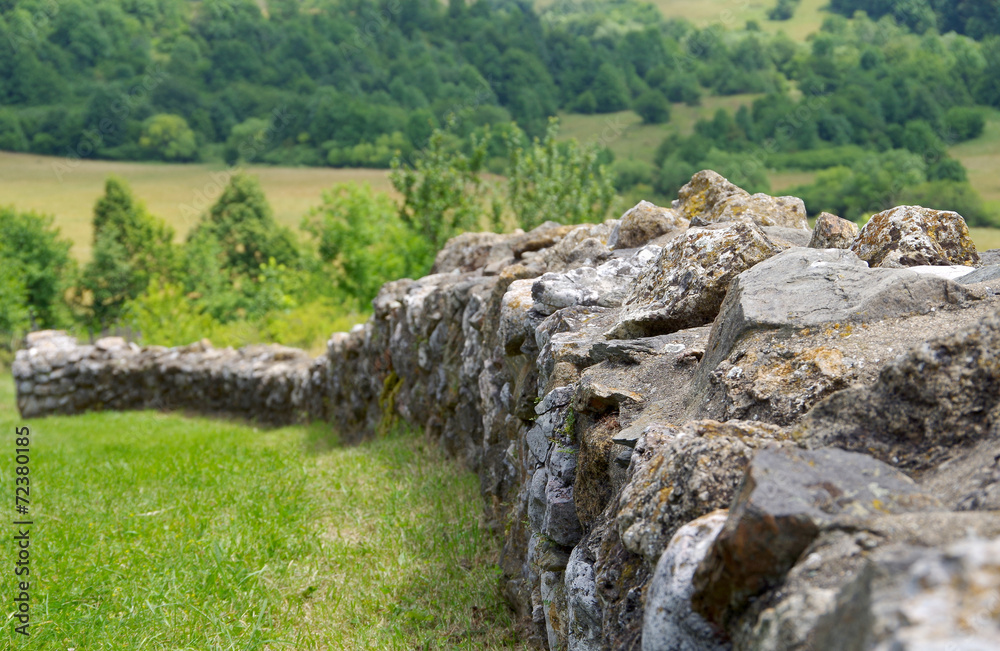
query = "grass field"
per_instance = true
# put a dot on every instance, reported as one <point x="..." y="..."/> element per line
<point x="981" y="158"/>
<point x="156" y="531"/>
<point x="43" y="183"/>
<point x="627" y="137"/>
<point x="734" y="14"/>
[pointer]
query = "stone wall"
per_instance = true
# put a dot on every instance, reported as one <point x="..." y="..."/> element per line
<point x="696" y="427"/>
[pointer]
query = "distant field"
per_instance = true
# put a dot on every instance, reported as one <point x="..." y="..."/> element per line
<point x="734" y="14"/>
<point x="31" y="182"/>
<point x="981" y="158"/>
<point x="625" y="134"/>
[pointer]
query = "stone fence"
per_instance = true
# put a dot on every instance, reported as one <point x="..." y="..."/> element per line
<point x="698" y="427"/>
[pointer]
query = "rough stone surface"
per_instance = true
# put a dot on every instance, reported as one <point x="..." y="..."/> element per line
<point x="981" y="275"/>
<point x="670" y="623"/>
<point x="787" y="496"/>
<point x="710" y="198"/>
<point x="687" y="284"/>
<point x="939" y="599"/>
<point x="761" y="209"/>
<point x="703" y="193"/>
<point x="643" y="223"/>
<point x="840" y="289"/>
<point x="606" y="285"/>
<point x="832" y="232"/>
<point x="908" y="236"/>
<point x="928" y="405"/>
<point x="679" y="474"/>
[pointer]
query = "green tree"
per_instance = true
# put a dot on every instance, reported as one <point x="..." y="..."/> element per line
<point x="242" y="223"/>
<point x="131" y="247"/>
<point x="653" y="107"/>
<point x="37" y="267"/>
<point x="563" y="182"/>
<point x="359" y="232"/>
<point x="609" y="88"/>
<point x="963" y="123"/>
<point x="168" y="137"/>
<point x="950" y="195"/>
<point x="11" y="134"/>
<point x="443" y="190"/>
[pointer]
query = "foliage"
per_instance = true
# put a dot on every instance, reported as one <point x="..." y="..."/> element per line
<point x="977" y="18"/>
<point x="131" y="247"/>
<point x="952" y="195"/>
<point x="360" y="234"/>
<point x="37" y="271"/>
<point x="783" y="10"/>
<point x="164" y="315"/>
<point x="443" y="191"/>
<point x="168" y="137"/>
<point x="870" y="185"/>
<point x="243" y="224"/>
<point x="653" y="107"/>
<point x="562" y="182"/>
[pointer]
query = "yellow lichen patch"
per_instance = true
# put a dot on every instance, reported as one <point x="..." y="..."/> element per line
<point x="807" y="367"/>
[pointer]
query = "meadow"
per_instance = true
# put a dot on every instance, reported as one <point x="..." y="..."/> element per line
<point x="734" y="14"/>
<point x="177" y="193"/>
<point x="157" y="531"/>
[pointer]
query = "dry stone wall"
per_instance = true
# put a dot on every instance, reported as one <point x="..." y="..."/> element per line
<point x="691" y="430"/>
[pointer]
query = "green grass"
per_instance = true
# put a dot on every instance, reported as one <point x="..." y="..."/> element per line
<point x="627" y="137"/>
<point x="31" y="182"/>
<point x="981" y="158"/>
<point x="155" y="531"/>
<point x="734" y="14"/>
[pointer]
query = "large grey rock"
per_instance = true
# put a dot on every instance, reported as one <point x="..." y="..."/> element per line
<point x="645" y="222"/>
<point x="801" y="287"/>
<point x="832" y="232"/>
<point x="761" y="209"/>
<point x="708" y="198"/>
<point x="681" y="473"/>
<point x="845" y="590"/>
<point x="926" y="406"/>
<point x="669" y="623"/>
<point x="584" y="609"/>
<point x="606" y="285"/>
<point x="687" y="284"/>
<point x="787" y="496"/>
<point x="907" y="236"/>
<point x="706" y="189"/>
<point x="939" y="599"/>
<point x="981" y="275"/>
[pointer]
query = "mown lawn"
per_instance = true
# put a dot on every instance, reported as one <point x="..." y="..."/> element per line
<point x="157" y="531"/>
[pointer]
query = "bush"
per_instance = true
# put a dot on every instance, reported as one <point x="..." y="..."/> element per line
<point x="628" y="173"/>
<point x="784" y="10"/>
<point x="563" y="182"/>
<point x="168" y="138"/>
<point x="37" y="271"/>
<point x="653" y="107"/>
<point x="963" y="123"/>
<point x="359" y="233"/>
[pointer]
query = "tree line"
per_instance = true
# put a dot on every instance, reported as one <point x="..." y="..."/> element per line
<point x="239" y="277"/>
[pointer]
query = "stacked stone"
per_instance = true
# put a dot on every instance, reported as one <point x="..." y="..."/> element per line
<point x="273" y="384"/>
